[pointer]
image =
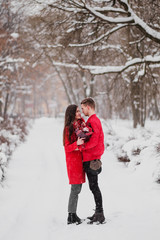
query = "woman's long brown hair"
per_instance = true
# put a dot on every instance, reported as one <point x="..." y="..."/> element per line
<point x="69" y="119"/>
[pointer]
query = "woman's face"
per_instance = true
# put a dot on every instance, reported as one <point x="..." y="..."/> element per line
<point x="78" y="114"/>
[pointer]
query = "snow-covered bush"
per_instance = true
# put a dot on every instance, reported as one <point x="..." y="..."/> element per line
<point x="12" y="133"/>
<point x="156" y="173"/>
<point x="109" y="134"/>
<point x="137" y="148"/>
<point x="158" y="148"/>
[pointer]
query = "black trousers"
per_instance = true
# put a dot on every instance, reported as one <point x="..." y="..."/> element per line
<point x="93" y="185"/>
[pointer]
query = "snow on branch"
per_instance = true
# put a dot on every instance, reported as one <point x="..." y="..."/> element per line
<point x="81" y="8"/>
<point x="153" y="34"/>
<point x="11" y="60"/>
<point x="100" y="12"/>
<point x="99" y="70"/>
<point x="108" y="19"/>
<point x="133" y="18"/>
<point x="130" y="18"/>
<point x="109" y="9"/>
<point x="101" y="37"/>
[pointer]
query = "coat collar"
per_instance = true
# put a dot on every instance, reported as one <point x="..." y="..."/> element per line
<point x="92" y="116"/>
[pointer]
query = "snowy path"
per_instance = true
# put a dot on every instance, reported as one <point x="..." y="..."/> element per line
<point x="33" y="201"/>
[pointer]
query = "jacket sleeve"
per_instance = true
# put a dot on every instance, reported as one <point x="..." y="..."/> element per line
<point x="93" y="141"/>
<point x="69" y="147"/>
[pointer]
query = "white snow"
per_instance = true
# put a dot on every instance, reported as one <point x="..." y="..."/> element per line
<point x="15" y="35"/>
<point x="109" y="9"/>
<point x="112" y="69"/>
<point x="34" y="197"/>
<point x="11" y="60"/>
<point x="109" y="19"/>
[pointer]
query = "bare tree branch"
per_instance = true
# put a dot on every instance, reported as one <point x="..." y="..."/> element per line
<point x="106" y="35"/>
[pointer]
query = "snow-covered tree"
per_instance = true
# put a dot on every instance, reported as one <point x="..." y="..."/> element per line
<point x="10" y="59"/>
<point x="117" y="40"/>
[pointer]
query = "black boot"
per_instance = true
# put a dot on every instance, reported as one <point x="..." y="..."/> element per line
<point x="96" y="210"/>
<point x="79" y="221"/>
<point x="97" y="217"/>
<point x="91" y="217"/>
<point x="73" y="218"/>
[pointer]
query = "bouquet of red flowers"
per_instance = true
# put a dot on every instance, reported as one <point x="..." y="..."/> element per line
<point x="82" y="130"/>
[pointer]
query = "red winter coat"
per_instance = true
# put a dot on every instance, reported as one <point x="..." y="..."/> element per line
<point x="94" y="148"/>
<point x="74" y="163"/>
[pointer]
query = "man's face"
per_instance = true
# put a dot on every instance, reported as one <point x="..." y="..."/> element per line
<point x="85" y="109"/>
<point x="78" y="114"/>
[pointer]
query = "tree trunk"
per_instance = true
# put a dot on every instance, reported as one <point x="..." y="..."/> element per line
<point x="47" y="105"/>
<point x="34" y="100"/>
<point x="157" y="113"/>
<point x="84" y="81"/>
<point x="109" y="101"/>
<point x="142" y="103"/>
<point x="70" y="87"/>
<point x="64" y="84"/>
<point x="6" y="105"/>
<point x="92" y="86"/>
<point x="135" y="102"/>
<point x="1" y="104"/>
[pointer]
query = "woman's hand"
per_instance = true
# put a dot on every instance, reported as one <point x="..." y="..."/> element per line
<point x="80" y="141"/>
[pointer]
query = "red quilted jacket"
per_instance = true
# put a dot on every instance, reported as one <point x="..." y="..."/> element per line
<point x="94" y="148"/>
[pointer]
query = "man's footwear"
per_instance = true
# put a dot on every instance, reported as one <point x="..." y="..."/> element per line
<point x="97" y="217"/>
<point x="96" y="210"/>
<point x="73" y="218"/>
<point x="91" y="217"/>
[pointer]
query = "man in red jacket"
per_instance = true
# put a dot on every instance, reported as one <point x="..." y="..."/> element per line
<point x="92" y="150"/>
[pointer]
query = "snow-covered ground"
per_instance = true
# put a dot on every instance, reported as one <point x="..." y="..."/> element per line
<point x="33" y="199"/>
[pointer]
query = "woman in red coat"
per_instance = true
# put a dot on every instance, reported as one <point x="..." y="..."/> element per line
<point x="74" y="163"/>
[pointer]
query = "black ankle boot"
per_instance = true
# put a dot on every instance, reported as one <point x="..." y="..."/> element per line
<point x="91" y="217"/>
<point x="73" y="218"/>
<point x="78" y="220"/>
<point x="97" y="217"/>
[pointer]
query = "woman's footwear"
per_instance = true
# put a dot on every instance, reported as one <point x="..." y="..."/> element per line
<point x="73" y="218"/>
<point x="79" y="221"/>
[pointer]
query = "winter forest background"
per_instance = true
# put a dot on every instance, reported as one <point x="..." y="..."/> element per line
<point x="57" y="52"/>
<point x="54" y="53"/>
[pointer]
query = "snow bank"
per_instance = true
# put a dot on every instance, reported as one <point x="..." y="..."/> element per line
<point x="138" y="148"/>
<point x="12" y="133"/>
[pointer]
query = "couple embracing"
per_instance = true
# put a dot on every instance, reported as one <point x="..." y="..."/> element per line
<point x="84" y="145"/>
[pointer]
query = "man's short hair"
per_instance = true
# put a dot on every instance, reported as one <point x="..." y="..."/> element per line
<point x="88" y="102"/>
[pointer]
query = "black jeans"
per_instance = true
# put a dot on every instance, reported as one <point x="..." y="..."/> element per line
<point x="93" y="185"/>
